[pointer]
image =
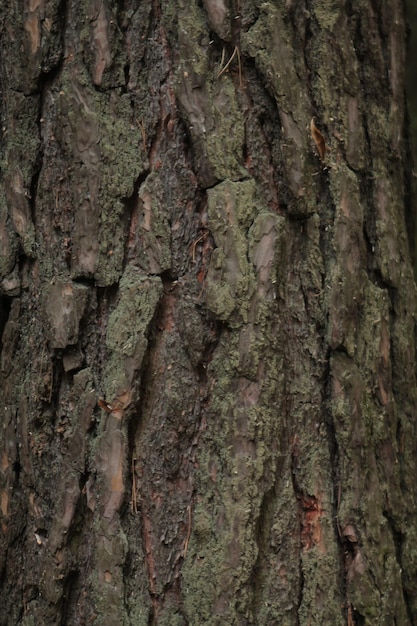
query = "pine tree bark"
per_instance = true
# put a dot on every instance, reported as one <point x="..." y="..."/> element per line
<point x="207" y="316"/>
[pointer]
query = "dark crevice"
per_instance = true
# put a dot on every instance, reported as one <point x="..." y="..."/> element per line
<point x="261" y="153"/>
<point x="17" y="468"/>
<point x="105" y="295"/>
<point x="130" y="208"/>
<point x="5" y="306"/>
<point x="58" y="378"/>
<point x="341" y="350"/>
<point x="410" y="210"/>
<point x="84" y="476"/>
<point x="31" y="193"/>
<point x="48" y="77"/>
<point x="262" y="536"/>
<point x="308" y="39"/>
<point x="109" y="89"/>
<point x="135" y="423"/>
<point x="297" y="493"/>
<point x="250" y="16"/>
<point x="52" y="64"/>
<point x="398" y="541"/>
<point x="86" y="281"/>
<point x="411" y="126"/>
<point x="145" y="375"/>
<point x="369" y="232"/>
<point x="208" y="351"/>
<point x="46" y="81"/>
<point x="172" y="467"/>
<point x="358" y="619"/>
<point x="152" y="618"/>
<point x="397" y="535"/>
<point x="124" y="18"/>
<point x="126" y="71"/>
<point x="33" y="189"/>
<point x="73" y="583"/>
<point x="69" y="595"/>
<point x="334" y="455"/>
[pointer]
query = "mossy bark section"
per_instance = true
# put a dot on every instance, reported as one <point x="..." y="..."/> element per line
<point x="207" y="315"/>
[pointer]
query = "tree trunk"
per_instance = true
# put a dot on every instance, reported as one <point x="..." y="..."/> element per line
<point x="207" y="315"/>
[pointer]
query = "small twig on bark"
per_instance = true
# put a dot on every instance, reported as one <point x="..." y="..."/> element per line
<point x="194" y="244"/>
<point x="222" y="70"/>
<point x="222" y="60"/>
<point x="143" y="131"/>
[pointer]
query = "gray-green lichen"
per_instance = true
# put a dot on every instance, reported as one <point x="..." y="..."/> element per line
<point x="245" y="257"/>
<point x="126" y="338"/>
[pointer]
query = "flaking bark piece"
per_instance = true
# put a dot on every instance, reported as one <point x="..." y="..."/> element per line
<point x="318" y="139"/>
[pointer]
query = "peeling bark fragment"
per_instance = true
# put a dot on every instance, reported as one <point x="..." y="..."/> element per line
<point x="103" y="56"/>
<point x="106" y="143"/>
<point x="219" y="15"/>
<point x="36" y="27"/>
<point x="85" y="245"/>
<point x="110" y="465"/>
<point x="65" y="305"/>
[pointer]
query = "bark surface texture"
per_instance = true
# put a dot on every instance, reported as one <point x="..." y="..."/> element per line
<point x="208" y="386"/>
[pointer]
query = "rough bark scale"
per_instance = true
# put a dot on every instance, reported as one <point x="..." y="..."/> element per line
<point x="208" y="337"/>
